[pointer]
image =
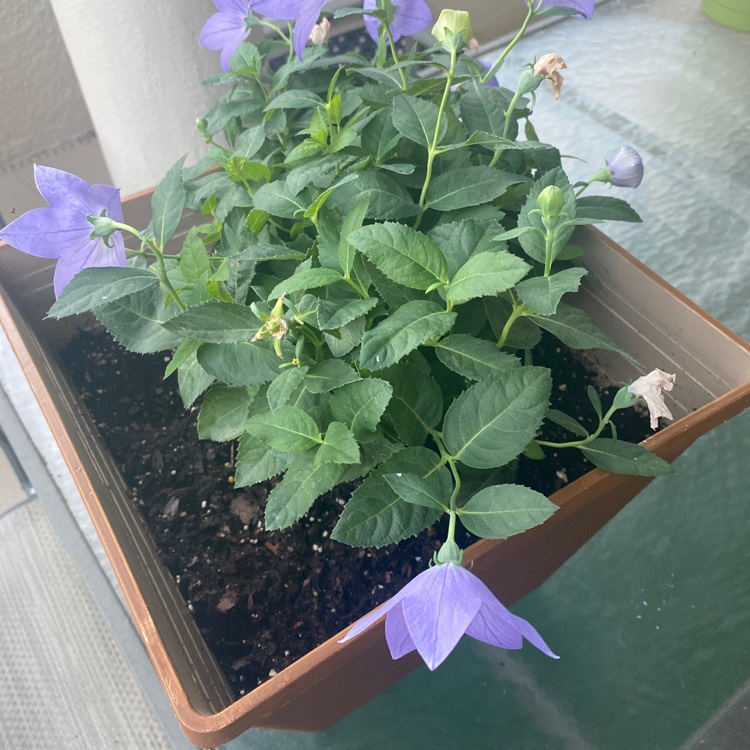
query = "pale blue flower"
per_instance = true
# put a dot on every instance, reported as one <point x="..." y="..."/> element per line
<point x="304" y="13"/>
<point x="63" y="230"/>
<point x="625" y="168"/>
<point x="409" y="18"/>
<point x="433" y="611"/>
<point x="584" y="7"/>
<point x="226" y="29"/>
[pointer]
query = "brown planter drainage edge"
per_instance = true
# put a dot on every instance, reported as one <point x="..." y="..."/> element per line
<point x="645" y="315"/>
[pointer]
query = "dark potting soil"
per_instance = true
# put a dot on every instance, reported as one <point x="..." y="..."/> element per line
<point x="263" y="599"/>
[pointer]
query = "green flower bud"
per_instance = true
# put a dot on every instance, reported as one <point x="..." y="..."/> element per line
<point x="450" y="552"/>
<point x="104" y="227"/>
<point x="551" y="201"/>
<point x="451" y="23"/>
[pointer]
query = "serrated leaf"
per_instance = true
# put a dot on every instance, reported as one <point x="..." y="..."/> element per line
<point x="620" y="457"/>
<point x="375" y="515"/>
<point x="302" y="484"/>
<point x="387" y="199"/>
<point x="501" y="511"/>
<point x="474" y="358"/>
<point x="295" y="99"/>
<point x="468" y="186"/>
<point x="333" y="315"/>
<point x="186" y="348"/>
<point x="278" y="200"/>
<point x="194" y="261"/>
<point x="288" y="429"/>
<point x="281" y="388"/>
<point x="576" y="330"/>
<point x="328" y="375"/>
<point x="361" y="404"/>
<point x="403" y="254"/>
<point x="240" y="363"/>
<point x="352" y="222"/>
<point x="167" y="204"/>
<point x="256" y="462"/>
<point x="485" y="275"/>
<point x="416" y="405"/>
<point x="491" y="422"/>
<point x="192" y="380"/>
<point x="403" y="331"/>
<point x="250" y="142"/>
<point x="216" y="322"/>
<point x="605" y="208"/>
<point x="412" y="488"/>
<point x="543" y="293"/>
<point x="94" y="287"/>
<point x="417" y="119"/>
<point x="459" y="240"/>
<point x="348" y="336"/>
<point x="223" y="412"/>
<point x="339" y="446"/>
<point x="307" y="278"/>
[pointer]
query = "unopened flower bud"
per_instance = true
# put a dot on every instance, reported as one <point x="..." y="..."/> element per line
<point x="626" y="168"/>
<point x="451" y="23"/>
<point x="551" y="201"/>
<point x="548" y="66"/>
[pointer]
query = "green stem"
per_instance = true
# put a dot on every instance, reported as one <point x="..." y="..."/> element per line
<point x="518" y="312"/>
<point x="500" y="60"/>
<point x="549" y="238"/>
<point x="583" y="441"/>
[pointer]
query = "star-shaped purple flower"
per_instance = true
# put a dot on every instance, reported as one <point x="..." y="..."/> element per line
<point x="409" y="18"/>
<point x="304" y="13"/>
<point x="433" y="611"/>
<point x="626" y="168"/>
<point x="63" y="230"/>
<point x="584" y="7"/>
<point x="226" y="29"/>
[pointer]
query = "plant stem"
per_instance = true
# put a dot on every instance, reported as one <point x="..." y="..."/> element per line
<point x="583" y="441"/>
<point x="500" y="60"/>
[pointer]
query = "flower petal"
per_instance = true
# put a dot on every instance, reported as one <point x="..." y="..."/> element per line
<point x="372" y="617"/>
<point x="39" y="232"/>
<point x="304" y="25"/>
<point x="61" y="189"/>
<point x="397" y="633"/>
<point x="410" y="18"/>
<point x="88" y="253"/>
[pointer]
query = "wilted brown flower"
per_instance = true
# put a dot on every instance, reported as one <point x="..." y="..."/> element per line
<point x="548" y="66"/>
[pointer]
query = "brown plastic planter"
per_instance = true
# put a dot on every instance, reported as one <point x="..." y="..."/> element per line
<point x="649" y="318"/>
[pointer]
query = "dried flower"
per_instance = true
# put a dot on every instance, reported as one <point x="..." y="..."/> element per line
<point x="433" y="611"/>
<point x="64" y="230"/>
<point x="320" y="32"/>
<point x="226" y="29"/>
<point x="625" y="168"/>
<point x="409" y="18"/>
<point x="584" y="7"/>
<point x="548" y="66"/>
<point x="649" y="388"/>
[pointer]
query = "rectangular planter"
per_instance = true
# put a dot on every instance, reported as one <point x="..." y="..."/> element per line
<point x="646" y="316"/>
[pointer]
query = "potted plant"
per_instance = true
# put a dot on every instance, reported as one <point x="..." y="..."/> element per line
<point x="357" y="278"/>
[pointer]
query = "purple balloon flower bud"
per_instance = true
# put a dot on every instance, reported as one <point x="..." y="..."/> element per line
<point x="409" y="18"/>
<point x="584" y="7"/>
<point x="626" y="168"/>
<point x="433" y="611"/>
<point x="226" y="29"/>
<point x="63" y="230"/>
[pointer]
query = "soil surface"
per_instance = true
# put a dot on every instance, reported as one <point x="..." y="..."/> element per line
<point x="263" y="599"/>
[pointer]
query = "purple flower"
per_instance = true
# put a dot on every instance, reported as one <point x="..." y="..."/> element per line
<point x="226" y="30"/>
<point x="626" y="168"/>
<point x="584" y="7"/>
<point x="63" y="230"/>
<point x="304" y="13"/>
<point x="409" y="18"/>
<point x="433" y="611"/>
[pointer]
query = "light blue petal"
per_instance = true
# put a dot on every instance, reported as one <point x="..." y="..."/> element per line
<point x="397" y="635"/>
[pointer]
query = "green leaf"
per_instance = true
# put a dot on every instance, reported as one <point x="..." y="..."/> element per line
<point x="307" y="278"/>
<point x="192" y="380"/>
<point x="459" y="240"/>
<point x="576" y="330"/>
<point x="223" y="412"/>
<point x="250" y="142"/>
<point x="403" y="254"/>
<point x="503" y="510"/>
<point x="328" y="375"/>
<point x="483" y="109"/>
<point x="194" y="261"/>
<point x="416" y="405"/>
<point x="240" y="363"/>
<point x="491" y="422"/>
<point x="293" y="496"/>
<point x="543" y="293"/>
<point x="387" y="199"/>
<point x="217" y="322"/>
<point x="295" y="99"/>
<point x="567" y="422"/>
<point x="258" y="253"/>
<point x="256" y="463"/>
<point x="403" y="331"/>
<point x="620" y="457"/>
<point x="412" y="488"/>
<point x="353" y="221"/>
<point x="361" y="404"/>
<point x="287" y="429"/>
<point x="605" y="208"/>
<point x="278" y="200"/>
<point x="167" y="205"/>
<point x="417" y="119"/>
<point x="469" y="186"/>
<point x="138" y="321"/>
<point x="334" y="315"/>
<point x="474" y="358"/>
<point x="94" y="287"/>
<point x="485" y="275"/>
<point x="375" y="515"/>
<point x="339" y="446"/>
<point x="181" y="354"/>
<point x="281" y="388"/>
